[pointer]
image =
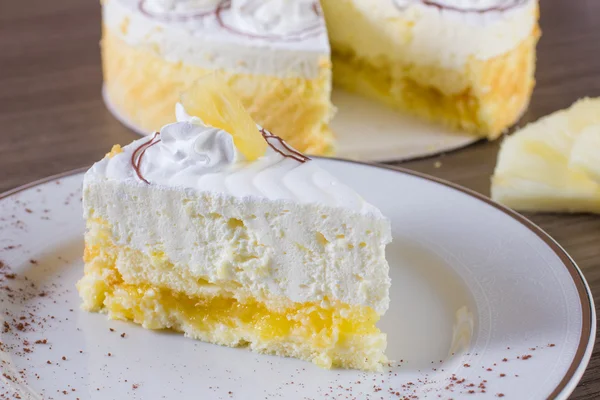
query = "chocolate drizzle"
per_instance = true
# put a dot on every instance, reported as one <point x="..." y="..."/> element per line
<point x="225" y="5"/>
<point x="275" y="142"/>
<point x="440" y="5"/>
<point x="281" y="147"/>
<point x="136" y="157"/>
<point x="173" y="17"/>
<point x="316" y="7"/>
<point x="302" y="34"/>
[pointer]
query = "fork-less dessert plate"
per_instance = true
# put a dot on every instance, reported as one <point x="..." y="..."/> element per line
<point x="483" y="305"/>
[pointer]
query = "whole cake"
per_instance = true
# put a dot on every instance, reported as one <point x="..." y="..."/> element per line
<point x="466" y="63"/>
<point x="221" y="230"/>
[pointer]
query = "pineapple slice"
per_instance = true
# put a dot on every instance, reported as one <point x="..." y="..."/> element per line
<point x="585" y="155"/>
<point x="552" y="164"/>
<point x="211" y="100"/>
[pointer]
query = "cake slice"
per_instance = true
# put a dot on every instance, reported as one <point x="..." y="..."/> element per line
<point x="553" y="164"/>
<point x="273" y="54"/>
<point x="468" y="64"/>
<point x="224" y="232"/>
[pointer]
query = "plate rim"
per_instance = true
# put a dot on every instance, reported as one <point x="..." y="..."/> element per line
<point x="588" y="331"/>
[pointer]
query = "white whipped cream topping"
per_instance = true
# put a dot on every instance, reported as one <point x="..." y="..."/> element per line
<point x="468" y="5"/>
<point x="439" y="36"/>
<point x="275" y="17"/>
<point x="190" y="32"/>
<point x="452" y="37"/>
<point x="179" y="6"/>
<point x="187" y="149"/>
<point x="191" y="155"/>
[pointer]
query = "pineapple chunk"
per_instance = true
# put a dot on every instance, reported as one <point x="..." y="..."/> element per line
<point x="211" y="100"/>
<point x="585" y="155"/>
<point x="553" y="164"/>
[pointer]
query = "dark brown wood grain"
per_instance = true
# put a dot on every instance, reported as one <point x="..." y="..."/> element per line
<point x="52" y="118"/>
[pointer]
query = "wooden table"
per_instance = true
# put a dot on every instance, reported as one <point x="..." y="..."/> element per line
<point x="52" y="117"/>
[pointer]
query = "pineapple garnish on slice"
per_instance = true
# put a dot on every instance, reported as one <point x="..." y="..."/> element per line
<point x="553" y="164"/>
<point x="211" y="100"/>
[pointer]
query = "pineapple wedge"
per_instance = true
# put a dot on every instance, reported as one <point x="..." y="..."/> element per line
<point x="210" y="99"/>
<point x="585" y="156"/>
<point x="553" y="164"/>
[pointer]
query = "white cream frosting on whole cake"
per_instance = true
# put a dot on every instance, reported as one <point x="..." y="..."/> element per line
<point x="195" y="169"/>
<point x="276" y="37"/>
<point x="444" y="33"/>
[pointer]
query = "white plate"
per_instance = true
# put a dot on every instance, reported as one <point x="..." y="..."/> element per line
<point x="474" y="284"/>
<point x="368" y="131"/>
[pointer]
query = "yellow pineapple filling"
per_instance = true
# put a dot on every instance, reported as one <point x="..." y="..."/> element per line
<point x="398" y="90"/>
<point x="328" y="333"/>
<point x="307" y="321"/>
